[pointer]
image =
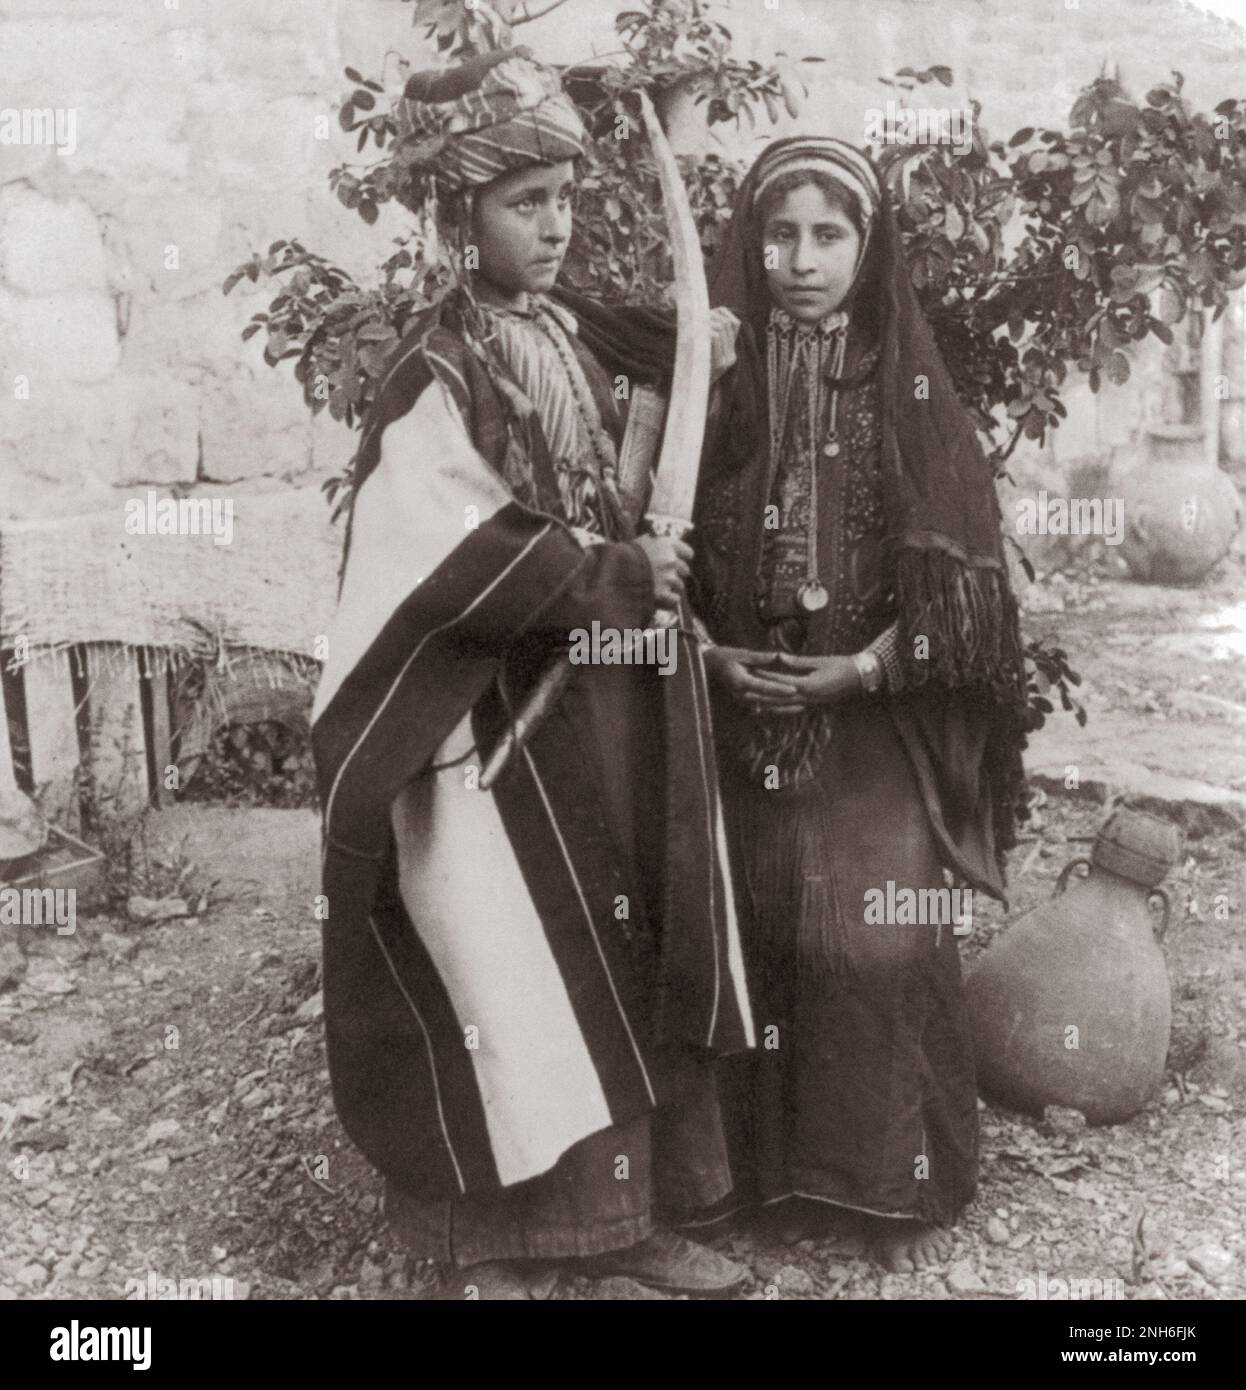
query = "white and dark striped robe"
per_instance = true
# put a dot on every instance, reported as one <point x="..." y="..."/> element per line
<point x="484" y="1009"/>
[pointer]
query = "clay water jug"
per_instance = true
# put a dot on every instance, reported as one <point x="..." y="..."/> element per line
<point x="1072" y="1005"/>
<point x="1181" y="512"/>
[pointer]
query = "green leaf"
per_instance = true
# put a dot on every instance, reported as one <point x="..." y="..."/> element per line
<point x="1101" y="209"/>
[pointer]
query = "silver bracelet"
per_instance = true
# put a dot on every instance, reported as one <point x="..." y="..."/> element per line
<point x="870" y="669"/>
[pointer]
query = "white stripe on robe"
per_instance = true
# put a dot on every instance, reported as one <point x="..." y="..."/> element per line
<point x="463" y="889"/>
<point x="410" y="513"/>
<point x="459" y="879"/>
<point x="458" y="876"/>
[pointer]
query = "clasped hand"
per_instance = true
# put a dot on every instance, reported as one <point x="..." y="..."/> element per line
<point x="781" y="683"/>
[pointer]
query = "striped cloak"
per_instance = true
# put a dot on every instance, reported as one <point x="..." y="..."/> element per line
<point x="484" y="1005"/>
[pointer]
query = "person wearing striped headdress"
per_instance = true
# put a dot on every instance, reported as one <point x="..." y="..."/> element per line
<point x="524" y="985"/>
<point x="870" y="706"/>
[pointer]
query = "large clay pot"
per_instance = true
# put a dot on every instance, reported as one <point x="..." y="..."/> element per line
<point x="1072" y="1005"/>
<point x="1181" y="513"/>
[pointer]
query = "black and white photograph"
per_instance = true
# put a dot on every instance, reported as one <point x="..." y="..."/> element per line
<point x="623" y="633"/>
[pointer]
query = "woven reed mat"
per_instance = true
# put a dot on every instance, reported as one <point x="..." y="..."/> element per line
<point x="84" y="579"/>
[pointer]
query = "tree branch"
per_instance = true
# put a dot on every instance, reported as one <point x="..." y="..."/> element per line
<point x="1012" y="444"/>
<point x="528" y="18"/>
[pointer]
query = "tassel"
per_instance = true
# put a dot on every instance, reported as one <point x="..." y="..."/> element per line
<point x="785" y="752"/>
<point x="968" y="618"/>
<point x="615" y="523"/>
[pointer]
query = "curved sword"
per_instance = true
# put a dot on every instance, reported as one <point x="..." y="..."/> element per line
<point x="675" y="485"/>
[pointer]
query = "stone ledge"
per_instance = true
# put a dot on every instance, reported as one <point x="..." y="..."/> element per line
<point x="1197" y="806"/>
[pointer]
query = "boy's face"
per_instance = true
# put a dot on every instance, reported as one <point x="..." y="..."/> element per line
<point x="521" y="224"/>
<point x="811" y="254"/>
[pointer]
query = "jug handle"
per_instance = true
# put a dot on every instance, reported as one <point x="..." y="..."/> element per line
<point x="1063" y="881"/>
<point x="1158" y="893"/>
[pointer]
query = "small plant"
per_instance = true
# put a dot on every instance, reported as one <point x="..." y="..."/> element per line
<point x="255" y="764"/>
<point x="133" y="867"/>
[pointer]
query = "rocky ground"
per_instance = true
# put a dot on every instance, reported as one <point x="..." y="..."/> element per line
<point x="165" y="1110"/>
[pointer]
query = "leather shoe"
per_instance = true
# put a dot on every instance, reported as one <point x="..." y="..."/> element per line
<point x="667" y="1261"/>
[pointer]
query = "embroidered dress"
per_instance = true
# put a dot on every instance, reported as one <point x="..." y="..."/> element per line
<point x="538" y="345"/>
<point x="836" y="513"/>
<point x="870" y="1069"/>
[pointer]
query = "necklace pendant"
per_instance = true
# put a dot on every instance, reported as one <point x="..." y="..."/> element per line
<point x="831" y="448"/>
<point x="812" y="595"/>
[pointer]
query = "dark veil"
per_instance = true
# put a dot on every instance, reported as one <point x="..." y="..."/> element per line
<point x="964" y="713"/>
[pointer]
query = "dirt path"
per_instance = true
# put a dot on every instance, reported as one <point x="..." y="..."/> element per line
<point x="1164" y="684"/>
<point x="165" y="1109"/>
<point x="213" y="1150"/>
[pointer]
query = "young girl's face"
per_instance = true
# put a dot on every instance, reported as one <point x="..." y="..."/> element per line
<point x="521" y="224"/>
<point x="810" y="248"/>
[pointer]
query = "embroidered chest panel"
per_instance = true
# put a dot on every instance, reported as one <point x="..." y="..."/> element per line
<point x="839" y="503"/>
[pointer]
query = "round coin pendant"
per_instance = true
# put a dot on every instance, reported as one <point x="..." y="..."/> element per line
<point x="830" y="448"/>
<point x="812" y="595"/>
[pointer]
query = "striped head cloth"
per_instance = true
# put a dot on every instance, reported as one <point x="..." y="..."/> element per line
<point x="824" y="155"/>
<point x="498" y="112"/>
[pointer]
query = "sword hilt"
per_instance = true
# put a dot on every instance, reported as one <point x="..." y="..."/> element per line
<point x="551" y="683"/>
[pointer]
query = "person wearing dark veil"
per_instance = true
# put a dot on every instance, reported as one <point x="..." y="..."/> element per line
<point x="870" y="706"/>
<point x="523" y="985"/>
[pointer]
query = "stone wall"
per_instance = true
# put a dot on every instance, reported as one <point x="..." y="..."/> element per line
<point x="206" y="128"/>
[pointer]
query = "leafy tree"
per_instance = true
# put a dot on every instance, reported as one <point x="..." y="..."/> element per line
<point x="1128" y="219"/>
